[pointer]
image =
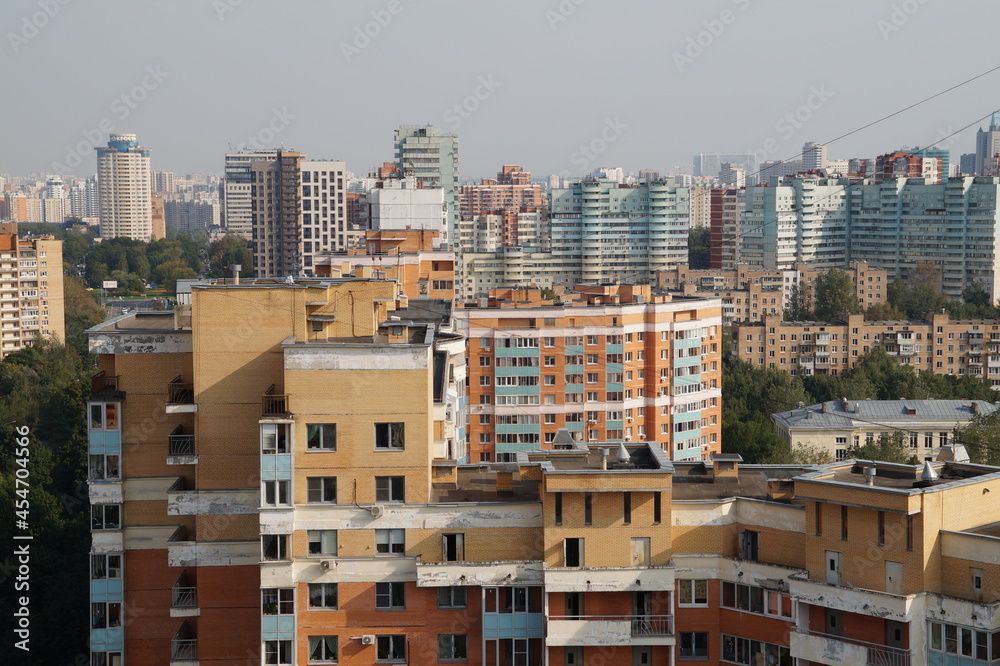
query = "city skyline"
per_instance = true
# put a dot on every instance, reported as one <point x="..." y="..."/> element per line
<point x="171" y="96"/>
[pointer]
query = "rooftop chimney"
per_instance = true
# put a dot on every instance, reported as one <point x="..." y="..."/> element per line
<point x="236" y="273"/>
<point x="604" y="457"/>
<point x="870" y="475"/>
<point x="928" y="475"/>
<point x="845" y="405"/>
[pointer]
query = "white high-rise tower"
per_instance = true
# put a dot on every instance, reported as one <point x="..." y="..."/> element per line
<point x="125" y="188"/>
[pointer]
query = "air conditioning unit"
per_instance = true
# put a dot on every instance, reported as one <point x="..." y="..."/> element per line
<point x="326" y="565"/>
<point x="368" y="639"/>
<point x="663" y="379"/>
<point x="592" y="422"/>
<point x="376" y="510"/>
<point x="630" y="419"/>
<point x="628" y="439"/>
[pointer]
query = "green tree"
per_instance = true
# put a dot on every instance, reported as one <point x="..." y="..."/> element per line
<point x="229" y="250"/>
<point x="883" y="312"/>
<point x="127" y="282"/>
<point x="81" y="311"/>
<point x="835" y="296"/>
<point x="799" y="306"/>
<point x="801" y="454"/>
<point x="981" y="437"/>
<point x="890" y="448"/>
<point x="698" y="248"/>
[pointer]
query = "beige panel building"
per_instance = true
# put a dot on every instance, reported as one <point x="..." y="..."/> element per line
<point x="31" y="289"/>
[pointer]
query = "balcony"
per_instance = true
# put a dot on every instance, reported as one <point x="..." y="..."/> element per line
<point x="823" y="648"/>
<point x="105" y="386"/>
<point x="609" y="579"/>
<point x="180" y="397"/>
<point x="180" y="448"/>
<point x="183" y="598"/>
<point x="183" y="647"/>
<point x="274" y="405"/>
<point x="581" y="630"/>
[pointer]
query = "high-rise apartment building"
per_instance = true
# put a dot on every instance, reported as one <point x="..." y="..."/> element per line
<point x="31" y="289"/>
<point x="402" y="203"/>
<point x="264" y="491"/>
<point x="164" y="182"/>
<point x="237" y="194"/>
<point x="187" y="216"/>
<point x="604" y="231"/>
<point x="606" y="363"/>
<point x="84" y="200"/>
<point x="967" y="164"/>
<point x="732" y="175"/>
<point x="508" y="195"/>
<point x="894" y="225"/>
<point x="987" y="144"/>
<point x="725" y="208"/>
<point x="431" y="156"/>
<point x="125" y="188"/>
<point x="813" y="156"/>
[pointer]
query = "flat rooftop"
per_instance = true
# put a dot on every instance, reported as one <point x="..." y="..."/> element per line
<point x="696" y="481"/>
<point x="901" y="478"/>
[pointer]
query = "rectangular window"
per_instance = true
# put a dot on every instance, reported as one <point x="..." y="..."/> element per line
<point x="321" y="436"/>
<point x="389" y="488"/>
<point x="693" y="645"/>
<point x="323" y="595"/>
<point x="106" y="614"/>
<point x="322" y="649"/>
<point x="819" y="519"/>
<point x="843" y="522"/>
<point x="573" y="552"/>
<point x="106" y="516"/>
<point x="558" y="509"/>
<point x="453" y="647"/>
<point x="452" y="597"/>
<point x="322" y="542"/>
<point x="390" y="596"/>
<point x="277" y="601"/>
<point x="274" y="438"/>
<point x="103" y="566"/>
<point x="104" y="467"/>
<point x="278" y="653"/>
<point x="588" y="508"/>
<point x="657" y="508"/>
<point x="627" y="508"/>
<point x="390" y="542"/>
<point x="453" y="547"/>
<point x="390" y="648"/>
<point x="881" y="528"/>
<point x="692" y="592"/>
<point x="274" y="547"/>
<point x="277" y="493"/>
<point x="389" y="436"/>
<point x="322" y="489"/>
<point x="909" y="534"/>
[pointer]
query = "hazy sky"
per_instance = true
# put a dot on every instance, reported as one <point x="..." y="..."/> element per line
<point x="633" y="84"/>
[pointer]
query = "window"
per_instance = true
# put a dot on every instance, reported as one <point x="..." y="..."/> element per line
<point x="588" y="508"/>
<point x="274" y="438"/>
<point x="276" y="493"/>
<point x="881" y="528"/>
<point x="843" y="522"/>
<point x="750" y="652"/>
<point x="322" y="542"/>
<point x="453" y="547"/>
<point x="389" y="436"/>
<point x="657" y="508"/>
<point x="274" y="547"/>
<point x="390" y="542"/>
<point x="485" y="380"/>
<point x="694" y="645"/>
<point x="627" y="508"/>
<point x="819" y="519"/>
<point x="322" y="489"/>
<point x="692" y="592"/>
<point x="962" y="641"/>
<point x="390" y="596"/>
<point x="389" y="488"/>
<point x="277" y="601"/>
<point x="390" y="648"/>
<point x="321" y="436"/>
<point x="323" y="595"/>
<point x="452" y="597"/>
<point x="452" y="647"/>
<point x="104" y="565"/>
<point x="749" y="545"/>
<point x="573" y="552"/>
<point x="278" y="652"/>
<point x="106" y="614"/>
<point x="104" y="467"/>
<point x="323" y="649"/>
<point x="106" y="517"/>
<point x="558" y="509"/>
